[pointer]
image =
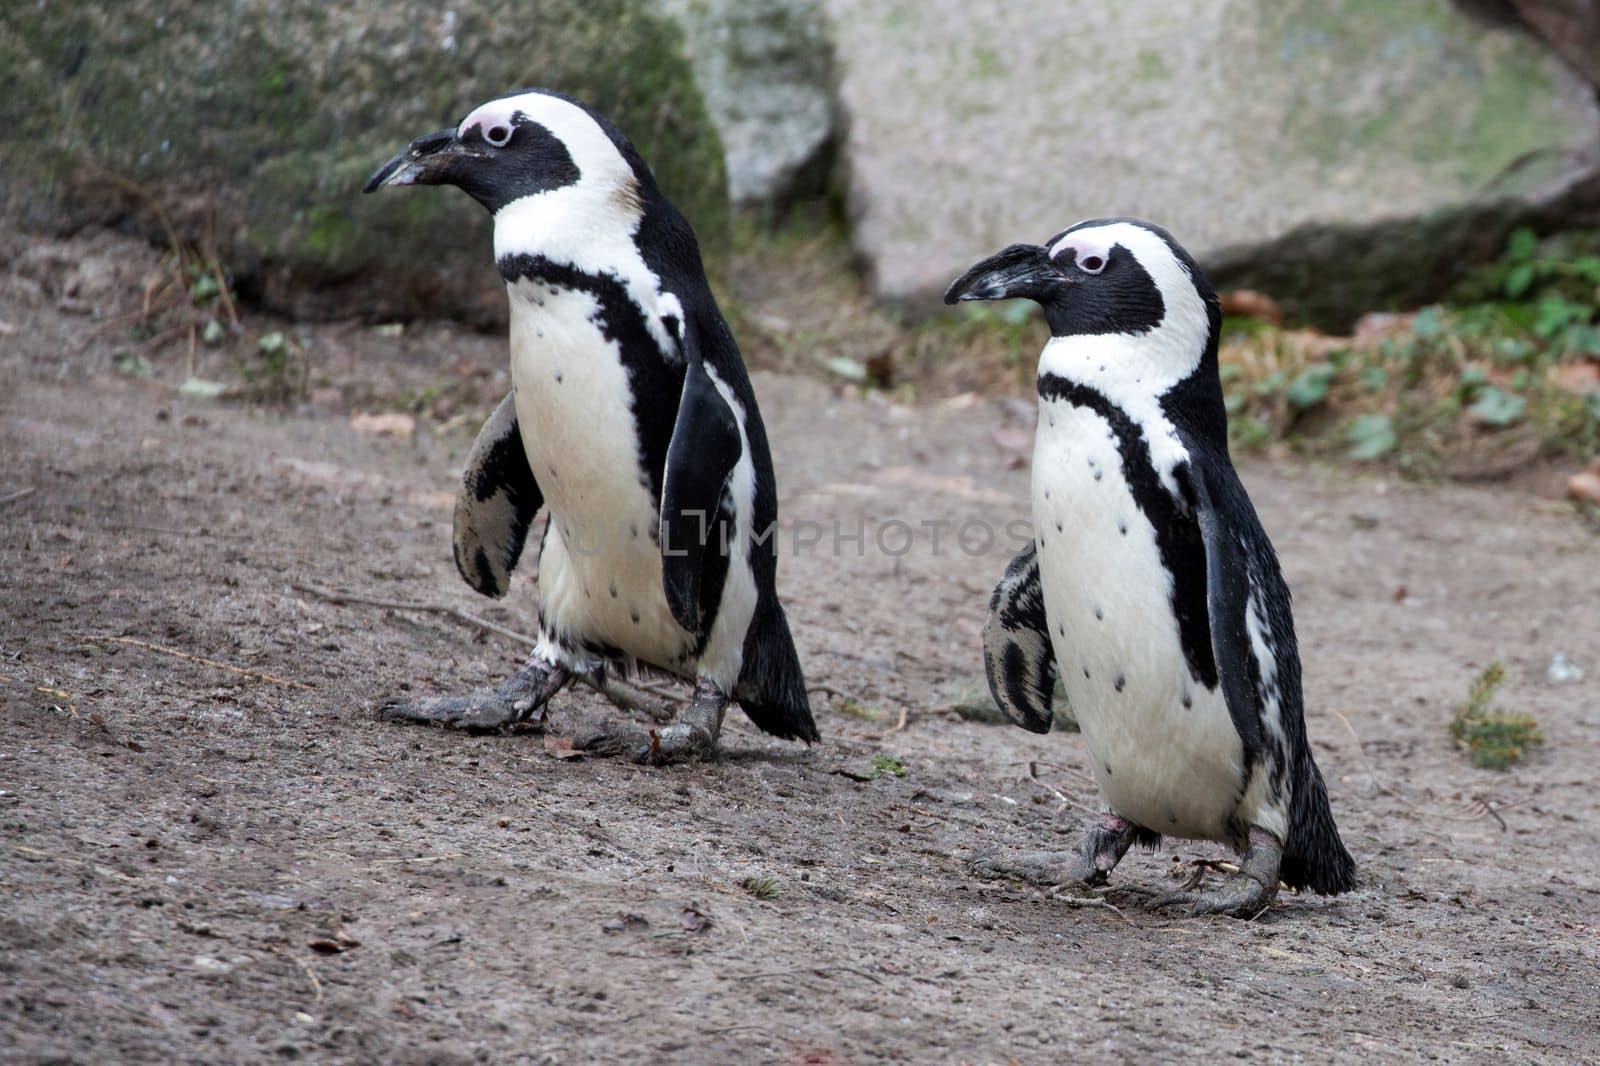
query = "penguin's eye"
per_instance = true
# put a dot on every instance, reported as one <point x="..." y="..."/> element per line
<point x="1092" y="264"/>
<point x="498" y="135"/>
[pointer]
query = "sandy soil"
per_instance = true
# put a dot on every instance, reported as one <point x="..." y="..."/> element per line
<point x="208" y="864"/>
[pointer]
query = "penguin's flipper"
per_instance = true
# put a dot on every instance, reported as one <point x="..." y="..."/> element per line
<point x="1017" y="655"/>
<point x="1227" y="596"/>
<point x="498" y="502"/>
<point x="696" y="516"/>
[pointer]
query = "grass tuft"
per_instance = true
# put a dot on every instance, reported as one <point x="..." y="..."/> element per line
<point x="760" y="887"/>
<point x="888" y="764"/>
<point x="1496" y="739"/>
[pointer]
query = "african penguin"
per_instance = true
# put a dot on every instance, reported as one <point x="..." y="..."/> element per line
<point x="1151" y="591"/>
<point x="631" y="421"/>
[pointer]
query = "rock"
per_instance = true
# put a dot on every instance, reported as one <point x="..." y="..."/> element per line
<point x="1562" y="671"/>
<point x="1573" y="29"/>
<point x="1336" y="155"/>
<point x="1585" y="487"/>
<point x="765" y="69"/>
<point x="259" y="120"/>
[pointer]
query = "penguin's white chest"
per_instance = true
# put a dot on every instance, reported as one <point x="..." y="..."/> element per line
<point x="1164" y="748"/>
<point x="600" y="570"/>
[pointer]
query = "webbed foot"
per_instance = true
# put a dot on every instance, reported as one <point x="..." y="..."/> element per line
<point x="1091" y="864"/>
<point x="1243" y="895"/>
<point x="518" y="699"/>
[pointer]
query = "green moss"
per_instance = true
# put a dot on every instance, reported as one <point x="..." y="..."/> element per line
<point x="280" y="110"/>
<point x="1496" y="739"/>
<point x="1435" y="59"/>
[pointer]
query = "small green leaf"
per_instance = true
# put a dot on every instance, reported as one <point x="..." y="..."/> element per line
<point x="1519" y="281"/>
<point x="1310" y="388"/>
<point x="847" y="368"/>
<point x="1234" y="402"/>
<point x="1428" y="324"/>
<point x="201" y="389"/>
<point x="1497" y="407"/>
<point x="272" y="343"/>
<point x="214" y="333"/>
<point x="205" y="287"/>
<point x="1522" y="244"/>
<point x="1374" y="378"/>
<point x="132" y="365"/>
<point x="1556" y="314"/>
<point x="1273" y="382"/>
<point x="1588" y="268"/>
<point x="1371" y="437"/>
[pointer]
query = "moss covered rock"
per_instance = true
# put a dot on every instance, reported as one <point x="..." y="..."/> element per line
<point x="1344" y="154"/>
<point x="254" y="123"/>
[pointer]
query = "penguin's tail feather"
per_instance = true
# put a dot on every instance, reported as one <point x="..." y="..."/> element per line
<point x="1314" y="857"/>
<point x="771" y="688"/>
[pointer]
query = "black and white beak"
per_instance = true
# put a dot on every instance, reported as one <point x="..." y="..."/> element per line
<point x="1022" y="271"/>
<point x="432" y="159"/>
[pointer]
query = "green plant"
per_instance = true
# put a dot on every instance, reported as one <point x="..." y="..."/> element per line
<point x="761" y="887"/>
<point x="1496" y="739"/>
<point x="888" y="764"/>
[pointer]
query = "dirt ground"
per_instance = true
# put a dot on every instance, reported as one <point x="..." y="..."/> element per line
<point x="204" y="862"/>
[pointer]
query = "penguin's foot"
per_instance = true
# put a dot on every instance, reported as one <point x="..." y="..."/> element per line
<point x="693" y="736"/>
<point x="518" y="699"/>
<point x="1091" y="864"/>
<point x="1245" y="894"/>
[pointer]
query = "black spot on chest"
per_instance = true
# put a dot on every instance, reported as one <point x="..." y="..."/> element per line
<point x="655" y="381"/>
<point x="1177" y="533"/>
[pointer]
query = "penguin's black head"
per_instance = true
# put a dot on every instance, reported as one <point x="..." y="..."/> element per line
<point x="1104" y="276"/>
<point x="516" y="147"/>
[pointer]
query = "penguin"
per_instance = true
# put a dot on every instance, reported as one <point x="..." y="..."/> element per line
<point x="631" y="423"/>
<point x="1151" y="590"/>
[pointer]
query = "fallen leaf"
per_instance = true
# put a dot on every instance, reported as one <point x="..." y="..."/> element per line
<point x="323" y="945"/>
<point x="561" y="747"/>
<point x="1585" y="487"/>
<point x="1252" y="304"/>
<point x="1577" y="378"/>
<point x="396" y="424"/>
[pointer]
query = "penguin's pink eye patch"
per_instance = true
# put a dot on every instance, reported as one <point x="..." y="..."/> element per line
<point x="495" y="124"/>
<point x="1087" y="251"/>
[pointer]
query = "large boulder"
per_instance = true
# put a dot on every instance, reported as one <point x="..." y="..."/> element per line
<point x="765" y="68"/>
<point x="1343" y="154"/>
<point x="252" y="125"/>
<point x="1573" y="29"/>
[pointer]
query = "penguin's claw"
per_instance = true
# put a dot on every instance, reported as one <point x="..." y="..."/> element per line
<point x="520" y="698"/>
<point x="479" y="712"/>
<point x="1102" y="848"/>
<point x="1245" y="894"/>
<point x="1241" y="896"/>
<point x="1039" y="868"/>
<point x="680" y="742"/>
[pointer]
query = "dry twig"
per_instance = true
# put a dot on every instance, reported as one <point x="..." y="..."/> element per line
<point x="639" y="695"/>
<point x="258" y="675"/>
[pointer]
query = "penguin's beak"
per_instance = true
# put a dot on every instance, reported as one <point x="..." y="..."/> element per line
<point x="1020" y="271"/>
<point x="431" y="159"/>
